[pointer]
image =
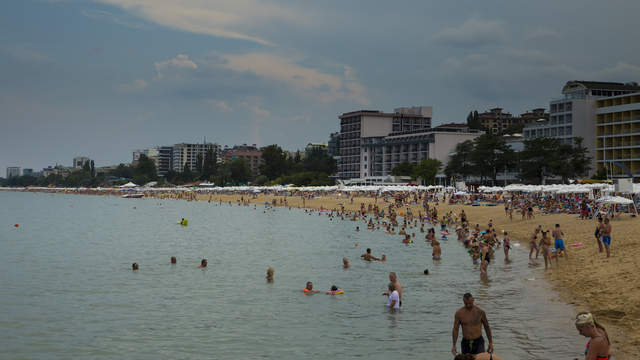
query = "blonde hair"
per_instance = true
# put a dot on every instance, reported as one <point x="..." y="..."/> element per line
<point x="586" y="318"/>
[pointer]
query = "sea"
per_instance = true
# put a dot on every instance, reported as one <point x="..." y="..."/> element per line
<point x="67" y="290"/>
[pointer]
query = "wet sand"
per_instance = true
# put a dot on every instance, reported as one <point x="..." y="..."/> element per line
<point x="588" y="280"/>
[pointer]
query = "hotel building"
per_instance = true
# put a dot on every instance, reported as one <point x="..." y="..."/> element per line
<point x="187" y="154"/>
<point x="574" y="114"/>
<point x="618" y="134"/>
<point x="362" y="127"/>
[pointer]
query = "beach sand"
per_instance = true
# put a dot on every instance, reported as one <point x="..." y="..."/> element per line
<point x="588" y="280"/>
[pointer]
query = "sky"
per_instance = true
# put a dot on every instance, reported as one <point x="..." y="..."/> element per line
<point x="103" y="78"/>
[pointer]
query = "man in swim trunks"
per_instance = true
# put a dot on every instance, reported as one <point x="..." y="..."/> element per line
<point x="436" y="254"/>
<point x="606" y="236"/>
<point x="559" y="243"/>
<point x="472" y="319"/>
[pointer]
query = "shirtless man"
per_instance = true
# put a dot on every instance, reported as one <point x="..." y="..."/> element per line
<point x="345" y="263"/>
<point x="598" y="235"/>
<point x="606" y="236"/>
<point x="367" y="256"/>
<point x="506" y="244"/>
<point x="394" y="279"/>
<point x="559" y="243"/>
<point x="472" y="319"/>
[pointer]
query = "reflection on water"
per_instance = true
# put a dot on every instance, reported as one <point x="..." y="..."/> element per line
<point x="67" y="290"/>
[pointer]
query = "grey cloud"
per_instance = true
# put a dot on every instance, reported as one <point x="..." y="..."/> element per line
<point x="123" y="20"/>
<point x="474" y="32"/>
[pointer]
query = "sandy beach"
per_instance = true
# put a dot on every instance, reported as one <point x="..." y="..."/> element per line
<point x="588" y="280"/>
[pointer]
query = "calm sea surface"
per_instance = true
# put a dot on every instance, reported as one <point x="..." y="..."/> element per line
<point x="67" y="291"/>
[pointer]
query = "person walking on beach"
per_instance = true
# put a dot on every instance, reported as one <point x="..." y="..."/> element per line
<point x="606" y="236"/>
<point x="545" y="243"/>
<point x="472" y="319"/>
<point x="598" y="234"/>
<point x="559" y="243"/>
<point x="599" y="345"/>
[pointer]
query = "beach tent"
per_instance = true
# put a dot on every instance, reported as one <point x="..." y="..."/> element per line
<point x="616" y="200"/>
<point x="128" y="185"/>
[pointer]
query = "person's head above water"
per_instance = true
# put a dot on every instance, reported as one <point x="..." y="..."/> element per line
<point x="309" y="285"/>
<point x="393" y="277"/>
<point x="203" y="263"/>
<point x="334" y="288"/>
<point x="134" y="266"/>
<point x="270" y="273"/>
<point x="426" y="271"/>
<point x="173" y="260"/>
<point x="368" y="250"/>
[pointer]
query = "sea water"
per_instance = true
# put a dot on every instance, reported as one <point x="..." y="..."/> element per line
<point x="67" y="289"/>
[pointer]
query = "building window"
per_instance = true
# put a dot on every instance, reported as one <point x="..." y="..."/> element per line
<point x="568" y="130"/>
<point x="568" y="118"/>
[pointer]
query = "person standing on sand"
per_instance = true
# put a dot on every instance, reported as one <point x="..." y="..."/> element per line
<point x="545" y="243"/>
<point x="559" y="243"/>
<point x="606" y="236"/>
<point x="472" y="319"/>
<point x="598" y="233"/>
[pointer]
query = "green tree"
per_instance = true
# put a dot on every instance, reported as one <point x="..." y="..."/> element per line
<point x="210" y="166"/>
<point x="93" y="169"/>
<point x="187" y="174"/>
<point x="275" y="162"/>
<point x="240" y="171"/>
<point x="403" y="169"/>
<point x="580" y="161"/>
<point x="490" y="155"/>
<point x="460" y="161"/>
<point x="199" y="164"/>
<point x="541" y="158"/>
<point x="145" y="170"/>
<point x="427" y="169"/>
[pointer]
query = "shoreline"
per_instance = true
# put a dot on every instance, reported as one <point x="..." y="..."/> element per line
<point x="588" y="280"/>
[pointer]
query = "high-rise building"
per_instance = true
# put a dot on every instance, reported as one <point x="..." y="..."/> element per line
<point x="574" y="114"/>
<point x="618" y="135"/>
<point x="361" y="130"/>
<point x="333" y="146"/>
<point x="161" y="156"/>
<point x="13" y="171"/>
<point x="27" y="171"/>
<point x="187" y="154"/>
<point x="79" y="161"/>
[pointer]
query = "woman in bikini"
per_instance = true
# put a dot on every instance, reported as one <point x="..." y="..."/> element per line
<point x="598" y="347"/>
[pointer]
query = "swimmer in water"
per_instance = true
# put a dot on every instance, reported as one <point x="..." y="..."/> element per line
<point x="203" y="264"/>
<point x="383" y="258"/>
<point x="345" y="263"/>
<point x="437" y="251"/>
<point x="309" y="288"/>
<point x="270" y="274"/>
<point x="134" y="266"/>
<point x="367" y="256"/>
<point x="334" y="291"/>
<point x="174" y="260"/>
<point x="426" y="271"/>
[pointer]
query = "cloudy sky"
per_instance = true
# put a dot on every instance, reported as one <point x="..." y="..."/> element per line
<point x="101" y="78"/>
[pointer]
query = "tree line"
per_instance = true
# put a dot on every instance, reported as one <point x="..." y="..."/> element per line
<point x="489" y="155"/>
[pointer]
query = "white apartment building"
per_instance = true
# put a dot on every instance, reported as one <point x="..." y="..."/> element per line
<point x="186" y="154"/>
<point x="13" y="171"/>
<point x="574" y="114"/>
